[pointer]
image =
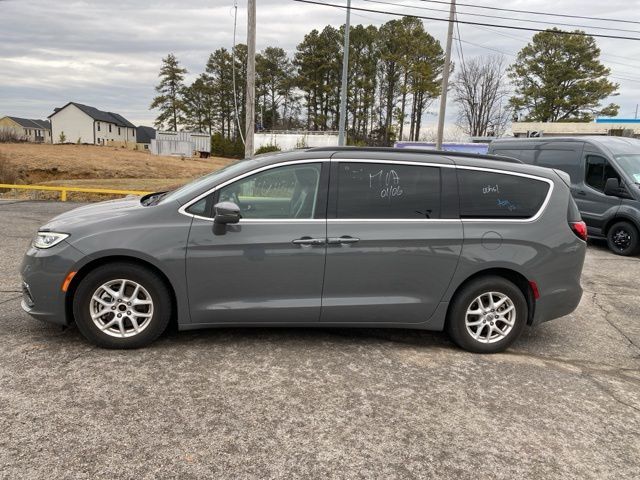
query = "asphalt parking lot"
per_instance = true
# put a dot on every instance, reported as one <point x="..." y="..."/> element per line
<point x="564" y="402"/>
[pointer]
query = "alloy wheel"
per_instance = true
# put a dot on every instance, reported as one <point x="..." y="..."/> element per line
<point x="490" y="317"/>
<point x="121" y="308"/>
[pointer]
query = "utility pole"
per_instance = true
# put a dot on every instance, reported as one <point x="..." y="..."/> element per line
<point x="251" y="79"/>
<point x="445" y="77"/>
<point x="345" y="71"/>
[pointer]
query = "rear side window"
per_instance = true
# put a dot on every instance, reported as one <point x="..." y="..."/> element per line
<point x="377" y="190"/>
<point x="565" y="160"/>
<point x="497" y="195"/>
<point x="527" y="156"/>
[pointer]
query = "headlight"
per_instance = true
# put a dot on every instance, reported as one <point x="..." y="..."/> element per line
<point x="48" y="239"/>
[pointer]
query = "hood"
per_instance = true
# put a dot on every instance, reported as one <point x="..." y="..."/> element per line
<point x="96" y="212"/>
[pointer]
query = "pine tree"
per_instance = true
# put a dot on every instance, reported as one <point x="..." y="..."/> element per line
<point x="559" y="77"/>
<point x="169" y="100"/>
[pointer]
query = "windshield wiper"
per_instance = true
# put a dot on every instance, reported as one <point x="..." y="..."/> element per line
<point x="153" y="199"/>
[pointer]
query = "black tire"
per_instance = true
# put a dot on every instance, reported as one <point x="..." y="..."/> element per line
<point x="465" y="298"/>
<point x="149" y="281"/>
<point x="622" y="239"/>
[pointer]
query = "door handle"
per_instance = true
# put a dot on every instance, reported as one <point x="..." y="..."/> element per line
<point x="308" y="241"/>
<point x="581" y="192"/>
<point x="345" y="239"/>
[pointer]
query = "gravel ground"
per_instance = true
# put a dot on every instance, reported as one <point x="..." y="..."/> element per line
<point x="564" y="402"/>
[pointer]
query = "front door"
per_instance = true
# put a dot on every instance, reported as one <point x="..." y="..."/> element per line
<point x="270" y="266"/>
<point x="596" y="207"/>
<point x="393" y="243"/>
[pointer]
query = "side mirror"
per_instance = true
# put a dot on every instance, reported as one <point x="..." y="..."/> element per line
<point x="226" y="212"/>
<point x="613" y="188"/>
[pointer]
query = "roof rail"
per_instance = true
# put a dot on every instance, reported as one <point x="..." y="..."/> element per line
<point x="415" y="151"/>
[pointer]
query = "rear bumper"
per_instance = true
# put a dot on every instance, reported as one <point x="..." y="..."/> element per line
<point x="560" y="289"/>
<point x="556" y="304"/>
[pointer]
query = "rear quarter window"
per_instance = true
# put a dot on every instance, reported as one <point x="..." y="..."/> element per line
<point x="499" y="195"/>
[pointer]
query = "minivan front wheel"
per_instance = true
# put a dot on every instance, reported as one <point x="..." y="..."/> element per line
<point x="622" y="239"/>
<point x="487" y="315"/>
<point x="121" y="305"/>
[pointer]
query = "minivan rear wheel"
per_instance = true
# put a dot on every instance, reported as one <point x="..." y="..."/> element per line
<point x="121" y="305"/>
<point x="622" y="239"/>
<point x="487" y="315"/>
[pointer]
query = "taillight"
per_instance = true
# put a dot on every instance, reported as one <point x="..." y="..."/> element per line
<point x="580" y="229"/>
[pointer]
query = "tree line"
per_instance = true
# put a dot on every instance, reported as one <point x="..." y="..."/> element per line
<point x="394" y="76"/>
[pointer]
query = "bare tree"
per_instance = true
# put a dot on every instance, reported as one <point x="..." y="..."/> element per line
<point x="480" y="90"/>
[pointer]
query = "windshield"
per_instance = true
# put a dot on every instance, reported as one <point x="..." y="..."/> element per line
<point x="630" y="164"/>
<point x="201" y="182"/>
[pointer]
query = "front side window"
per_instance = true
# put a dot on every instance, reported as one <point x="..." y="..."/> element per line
<point x="496" y="195"/>
<point x="109" y="128"/>
<point x="597" y="171"/>
<point x="98" y="124"/>
<point x="278" y="193"/>
<point x="389" y="191"/>
<point x="631" y="165"/>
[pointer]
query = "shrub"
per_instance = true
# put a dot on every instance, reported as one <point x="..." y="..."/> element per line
<point x="225" y="147"/>
<point x="9" y="135"/>
<point x="267" y="149"/>
<point x="62" y="138"/>
<point x="8" y="173"/>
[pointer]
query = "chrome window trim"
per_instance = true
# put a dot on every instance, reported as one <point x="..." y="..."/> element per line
<point x="393" y="220"/>
<point x="543" y="207"/>
<point x="396" y="162"/>
<point x="540" y="211"/>
<point x="183" y="209"/>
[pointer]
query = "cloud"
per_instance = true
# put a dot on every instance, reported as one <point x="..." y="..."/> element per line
<point x="108" y="54"/>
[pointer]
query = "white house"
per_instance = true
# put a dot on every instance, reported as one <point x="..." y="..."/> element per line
<point x="77" y="123"/>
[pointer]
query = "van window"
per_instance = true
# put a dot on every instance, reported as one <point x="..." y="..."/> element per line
<point x="560" y="159"/>
<point x="497" y="195"/>
<point x="380" y="190"/>
<point x="277" y="193"/>
<point x="597" y="172"/>
<point x="527" y="156"/>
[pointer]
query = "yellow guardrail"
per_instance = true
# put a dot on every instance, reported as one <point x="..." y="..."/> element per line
<point x="63" y="190"/>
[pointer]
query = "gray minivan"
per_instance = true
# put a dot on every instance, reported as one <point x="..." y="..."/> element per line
<point x="605" y="180"/>
<point x="333" y="237"/>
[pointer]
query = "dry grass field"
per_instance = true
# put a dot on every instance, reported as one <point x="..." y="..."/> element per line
<point x="95" y="167"/>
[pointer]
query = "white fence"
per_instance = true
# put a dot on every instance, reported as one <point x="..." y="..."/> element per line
<point x="180" y="143"/>
<point x="171" y="147"/>
<point x="293" y="140"/>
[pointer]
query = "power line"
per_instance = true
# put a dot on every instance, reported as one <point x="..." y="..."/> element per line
<point x="530" y="12"/>
<point x="466" y="22"/>
<point x="487" y="48"/>
<point x="233" y="70"/>
<point x="459" y="47"/>
<point x="505" y="18"/>
<point x="618" y="77"/>
<point x="606" y="57"/>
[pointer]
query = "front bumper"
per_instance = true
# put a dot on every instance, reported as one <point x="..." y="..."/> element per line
<point x="43" y="272"/>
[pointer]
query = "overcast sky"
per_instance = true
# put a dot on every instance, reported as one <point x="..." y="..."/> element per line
<point x="107" y="53"/>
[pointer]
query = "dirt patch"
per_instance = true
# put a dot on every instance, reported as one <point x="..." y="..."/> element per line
<point x="38" y="163"/>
